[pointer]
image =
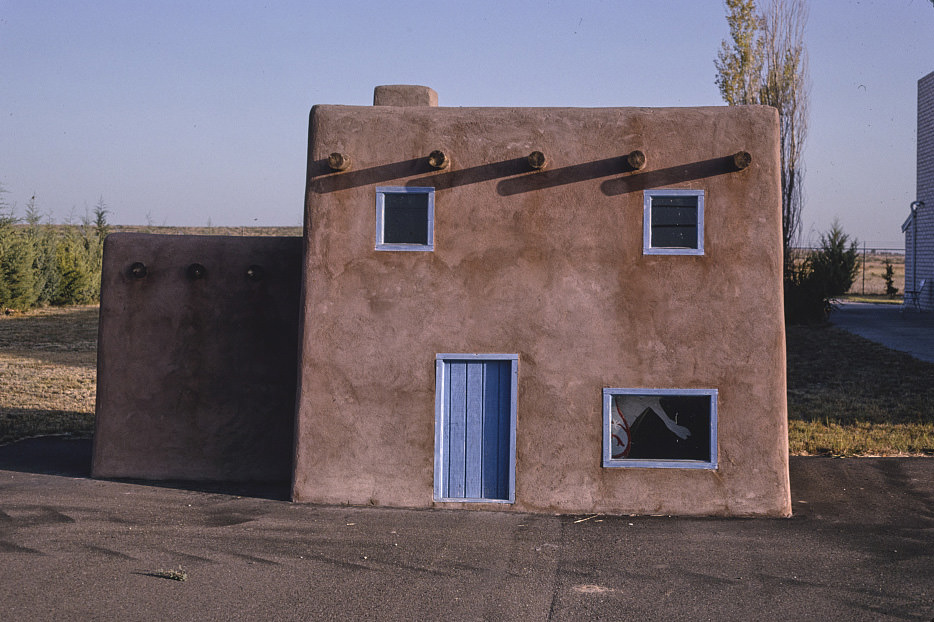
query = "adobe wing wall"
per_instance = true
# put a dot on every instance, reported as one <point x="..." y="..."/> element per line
<point x="197" y="357"/>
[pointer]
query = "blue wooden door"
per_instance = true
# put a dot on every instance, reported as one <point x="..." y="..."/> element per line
<point x="475" y="428"/>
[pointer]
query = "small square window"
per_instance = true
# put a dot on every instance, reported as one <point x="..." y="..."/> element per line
<point x="673" y="222"/>
<point x="405" y="218"/>
<point x="660" y="428"/>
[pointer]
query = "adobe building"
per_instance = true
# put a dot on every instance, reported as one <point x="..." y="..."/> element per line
<point x="543" y="309"/>
<point x="523" y="309"/>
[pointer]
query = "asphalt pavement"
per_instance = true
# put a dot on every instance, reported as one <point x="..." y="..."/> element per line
<point x="859" y="547"/>
<point x="891" y="325"/>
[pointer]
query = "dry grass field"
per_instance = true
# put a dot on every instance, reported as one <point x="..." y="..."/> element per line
<point x="846" y="396"/>
<point x="869" y="284"/>
<point x="245" y="231"/>
<point x="871" y="278"/>
<point x="48" y="375"/>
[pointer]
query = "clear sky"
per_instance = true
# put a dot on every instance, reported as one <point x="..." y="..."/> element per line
<point x="182" y="113"/>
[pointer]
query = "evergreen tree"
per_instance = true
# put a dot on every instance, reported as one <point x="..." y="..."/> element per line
<point x="836" y="263"/>
<point x="44" y="241"/>
<point x="7" y="220"/>
<point x="77" y="275"/>
<point x="889" y="276"/>
<point x="16" y="271"/>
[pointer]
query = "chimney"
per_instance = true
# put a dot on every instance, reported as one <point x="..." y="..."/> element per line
<point x="404" y="95"/>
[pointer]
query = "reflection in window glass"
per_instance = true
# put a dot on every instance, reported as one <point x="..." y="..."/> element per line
<point x="674" y="222"/>
<point x="660" y="427"/>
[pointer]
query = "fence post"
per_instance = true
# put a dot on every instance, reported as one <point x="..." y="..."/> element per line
<point x="864" y="267"/>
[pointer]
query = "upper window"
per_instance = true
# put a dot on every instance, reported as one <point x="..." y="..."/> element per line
<point x="405" y="219"/>
<point x="673" y="222"/>
<point x="660" y="428"/>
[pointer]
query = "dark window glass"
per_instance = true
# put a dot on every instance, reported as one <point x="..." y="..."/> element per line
<point x="405" y="218"/>
<point x="673" y="427"/>
<point x="674" y="222"/>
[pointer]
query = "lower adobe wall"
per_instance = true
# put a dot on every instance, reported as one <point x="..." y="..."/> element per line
<point x="197" y="355"/>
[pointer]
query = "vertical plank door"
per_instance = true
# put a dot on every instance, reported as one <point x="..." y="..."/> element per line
<point x="474" y="422"/>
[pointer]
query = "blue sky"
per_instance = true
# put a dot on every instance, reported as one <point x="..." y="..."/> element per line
<point x="181" y="113"/>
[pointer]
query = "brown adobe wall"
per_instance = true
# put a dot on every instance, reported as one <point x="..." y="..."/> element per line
<point x="548" y="265"/>
<point x="197" y="376"/>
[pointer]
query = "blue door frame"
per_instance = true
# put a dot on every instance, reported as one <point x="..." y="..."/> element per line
<point x="475" y="427"/>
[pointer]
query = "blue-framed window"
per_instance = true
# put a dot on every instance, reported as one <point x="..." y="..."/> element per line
<point x="405" y="218"/>
<point x="660" y="428"/>
<point x="673" y="222"/>
<point x="475" y="427"/>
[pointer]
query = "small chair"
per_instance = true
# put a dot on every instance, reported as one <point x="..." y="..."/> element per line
<point x="912" y="298"/>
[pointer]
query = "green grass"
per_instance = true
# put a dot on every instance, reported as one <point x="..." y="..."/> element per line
<point x="848" y="396"/>
<point x="873" y="298"/>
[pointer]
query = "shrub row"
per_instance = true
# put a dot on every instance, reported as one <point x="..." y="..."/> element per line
<point x="43" y="264"/>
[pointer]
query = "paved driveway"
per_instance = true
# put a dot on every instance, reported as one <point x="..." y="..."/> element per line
<point x="910" y="332"/>
<point x="859" y="547"/>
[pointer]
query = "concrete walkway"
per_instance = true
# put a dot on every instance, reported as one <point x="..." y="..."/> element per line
<point x="910" y="332"/>
<point x="859" y="547"/>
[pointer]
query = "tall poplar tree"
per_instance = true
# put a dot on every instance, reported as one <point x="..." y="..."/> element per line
<point x="739" y="62"/>
<point x="765" y="62"/>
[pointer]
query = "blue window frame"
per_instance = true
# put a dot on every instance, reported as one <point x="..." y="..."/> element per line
<point x="405" y="218"/>
<point x="475" y="427"/>
<point x="673" y="222"/>
<point x="660" y="428"/>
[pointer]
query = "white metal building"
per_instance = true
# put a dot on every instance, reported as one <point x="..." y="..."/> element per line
<point x="919" y="226"/>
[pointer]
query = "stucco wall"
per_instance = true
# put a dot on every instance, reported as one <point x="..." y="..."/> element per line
<point x="548" y="265"/>
<point x="920" y="254"/>
<point x="197" y="375"/>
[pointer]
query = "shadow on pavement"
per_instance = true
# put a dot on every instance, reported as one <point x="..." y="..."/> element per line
<point x="48" y="455"/>
<point x="71" y="457"/>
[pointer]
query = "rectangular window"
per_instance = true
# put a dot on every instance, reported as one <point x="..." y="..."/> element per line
<point x="660" y="428"/>
<point x="673" y="222"/>
<point x="475" y="427"/>
<point x="405" y="218"/>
